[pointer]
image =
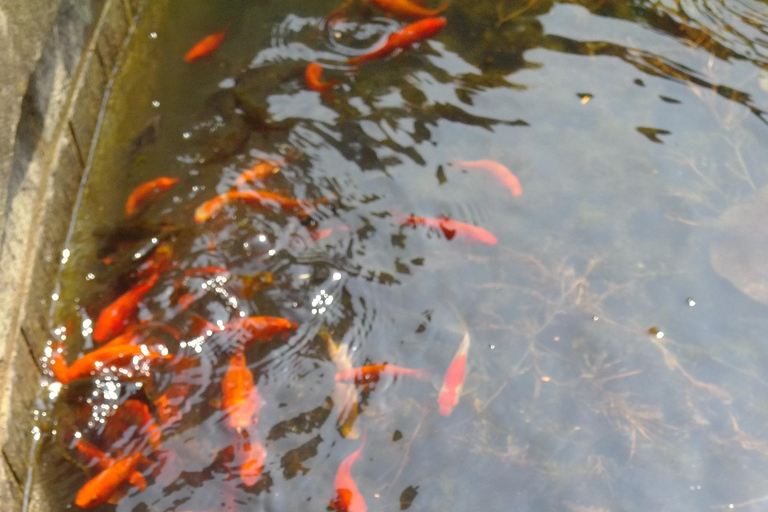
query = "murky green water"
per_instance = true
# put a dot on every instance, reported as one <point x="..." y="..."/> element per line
<point x="632" y="127"/>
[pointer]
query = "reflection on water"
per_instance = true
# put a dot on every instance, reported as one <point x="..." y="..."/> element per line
<point x="617" y="356"/>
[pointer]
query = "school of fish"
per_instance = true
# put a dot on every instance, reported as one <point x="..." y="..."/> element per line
<point x="128" y="345"/>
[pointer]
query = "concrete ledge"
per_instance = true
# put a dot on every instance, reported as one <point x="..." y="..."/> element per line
<point x="49" y="108"/>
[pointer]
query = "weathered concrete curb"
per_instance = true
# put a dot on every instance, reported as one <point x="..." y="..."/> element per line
<point x="60" y="56"/>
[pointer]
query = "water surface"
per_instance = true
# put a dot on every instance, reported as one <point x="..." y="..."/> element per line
<point x="611" y="368"/>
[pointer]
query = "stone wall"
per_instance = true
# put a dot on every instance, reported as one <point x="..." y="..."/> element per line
<point x="57" y="58"/>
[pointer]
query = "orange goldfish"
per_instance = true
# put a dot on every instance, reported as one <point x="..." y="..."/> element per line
<point x="114" y="318"/>
<point x="312" y="76"/>
<point x="101" y="487"/>
<point x="348" y="497"/>
<point x="103" y="461"/>
<point x="147" y="192"/>
<point x="500" y="172"/>
<point x="206" y="46"/>
<point x="253" y="197"/>
<point x="259" y="328"/>
<point x="258" y="173"/>
<point x="241" y="400"/>
<point x="254" y="454"/>
<point x="372" y="373"/>
<point x="454" y="379"/>
<point x="453" y="228"/>
<point x="402" y="39"/>
<point x="325" y="233"/>
<point x="94" y="362"/>
<point x="407" y="9"/>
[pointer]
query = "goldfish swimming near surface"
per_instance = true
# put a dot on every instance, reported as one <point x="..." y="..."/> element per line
<point x="258" y="173"/>
<point x="402" y="39"/>
<point x="146" y="192"/>
<point x="372" y="373"/>
<point x="407" y="9"/>
<point x="114" y="319"/>
<point x="241" y="400"/>
<point x="253" y="197"/>
<point x="98" y="360"/>
<point x="254" y="328"/>
<point x="348" y="497"/>
<point x="206" y="46"/>
<point x="101" y="487"/>
<point x="312" y="76"/>
<point x="454" y="378"/>
<point x="454" y="229"/>
<point x="499" y="171"/>
<point x="103" y="461"/>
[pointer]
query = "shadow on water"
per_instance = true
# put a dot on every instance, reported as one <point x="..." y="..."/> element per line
<point x="617" y="357"/>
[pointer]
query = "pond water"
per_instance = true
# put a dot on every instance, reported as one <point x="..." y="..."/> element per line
<point x="617" y="357"/>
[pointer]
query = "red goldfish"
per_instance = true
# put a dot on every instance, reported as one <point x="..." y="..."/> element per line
<point x="453" y="228"/>
<point x="259" y="328"/>
<point x="103" y="461"/>
<point x="206" y="46"/>
<point x="454" y="378"/>
<point x="240" y="398"/>
<point x="312" y="76"/>
<point x="348" y="497"/>
<point x="253" y="197"/>
<point x="407" y="9"/>
<point x="114" y="318"/>
<point x="500" y="172"/>
<point x="146" y="192"/>
<point x="403" y="39"/>
<point x="372" y="373"/>
<point x="101" y="487"/>
<point x="94" y="362"/>
<point x="254" y="454"/>
<point x="258" y="173"/>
